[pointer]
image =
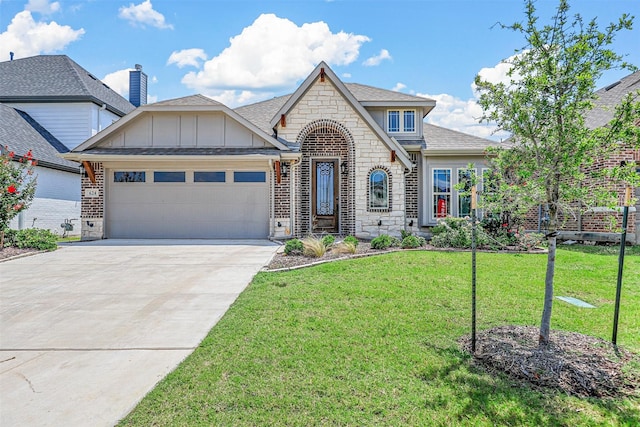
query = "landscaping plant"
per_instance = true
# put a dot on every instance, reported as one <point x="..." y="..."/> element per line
<point x="328" y="240"/>
<point x="17" y="186"/>
<point x="552" y="80"/>
<point x="313" y="247"/>
<point x="293" y="247"/>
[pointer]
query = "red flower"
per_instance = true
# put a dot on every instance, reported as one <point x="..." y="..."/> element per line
<point x="29" y="156"/>
<point x="11" y="154"/>
<point x="17" y="207"/>
<point x="12" y="189"/>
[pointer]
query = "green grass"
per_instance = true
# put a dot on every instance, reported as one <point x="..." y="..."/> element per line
<point x="373" y="342"/>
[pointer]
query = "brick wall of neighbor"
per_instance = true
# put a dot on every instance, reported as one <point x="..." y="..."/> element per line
<point x="323" y="106"/>
<point x="92" y="209"/>
<point x="600" y="220"/>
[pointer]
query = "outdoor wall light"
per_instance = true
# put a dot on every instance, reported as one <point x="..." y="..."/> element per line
<point x="343" y="168"/>
<point x="284" y="169"/>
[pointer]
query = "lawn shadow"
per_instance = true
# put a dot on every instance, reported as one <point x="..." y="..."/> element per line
<point x="502" y="400"/>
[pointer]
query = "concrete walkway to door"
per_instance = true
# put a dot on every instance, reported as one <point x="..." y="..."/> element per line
<point x="86" y="331"/>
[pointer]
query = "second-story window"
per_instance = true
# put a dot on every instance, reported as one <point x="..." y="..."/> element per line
<point x="401" y="121"/>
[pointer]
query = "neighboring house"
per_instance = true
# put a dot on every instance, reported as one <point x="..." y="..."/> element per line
<point x="49" y="104"/>
<point x="330" y="158"/>
<point x="596" y="224"/>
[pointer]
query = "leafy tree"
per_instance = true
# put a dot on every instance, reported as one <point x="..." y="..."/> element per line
<point x="17" y="186"/>
<point x="552" y="84"/>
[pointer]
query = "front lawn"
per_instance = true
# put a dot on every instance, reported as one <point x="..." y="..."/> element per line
<point x="373" y="341"/>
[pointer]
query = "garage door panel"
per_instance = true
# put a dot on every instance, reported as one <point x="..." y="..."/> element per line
<point x="157" y="210"/>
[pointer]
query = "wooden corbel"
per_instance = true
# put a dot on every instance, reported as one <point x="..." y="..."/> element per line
<point x="322" y="74"/>
<point x="90" y="172"/>
<point x="393" y="155"/>
<point x="278" y="173"/>
<point x="283" y="121"/>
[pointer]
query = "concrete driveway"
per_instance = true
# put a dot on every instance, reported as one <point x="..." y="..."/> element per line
<point x="88" y="330"/>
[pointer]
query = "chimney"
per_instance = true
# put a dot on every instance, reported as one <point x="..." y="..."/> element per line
<point x="137" y="86"/>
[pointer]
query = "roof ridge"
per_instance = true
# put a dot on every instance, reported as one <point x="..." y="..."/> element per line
<point x="74" y="68"/>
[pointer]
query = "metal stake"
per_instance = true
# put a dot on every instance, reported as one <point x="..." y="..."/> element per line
<point x="473" y="269"/>
<point x="623" y="241"/>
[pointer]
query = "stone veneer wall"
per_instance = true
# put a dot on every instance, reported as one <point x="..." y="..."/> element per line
<point x="92" y="208"/>
<point x="322" y="101"/>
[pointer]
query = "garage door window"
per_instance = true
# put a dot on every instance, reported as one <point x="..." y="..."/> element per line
<point x="168" y="177"/>
<point x="126" y="176"/>
<point x="209" y="177"/>
<point x="249" y="177"/>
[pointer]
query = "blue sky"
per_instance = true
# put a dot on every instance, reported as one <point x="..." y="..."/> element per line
<point x="240" y="51"/>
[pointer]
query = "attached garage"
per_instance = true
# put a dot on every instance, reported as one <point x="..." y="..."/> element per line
<point x="190" y="204"/>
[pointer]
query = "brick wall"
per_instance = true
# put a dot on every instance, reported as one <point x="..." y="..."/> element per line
<point x="92" y="209"/>
<point x="411" y="188"/>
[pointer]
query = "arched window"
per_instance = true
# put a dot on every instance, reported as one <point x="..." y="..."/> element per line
<point x="378" y="189"/>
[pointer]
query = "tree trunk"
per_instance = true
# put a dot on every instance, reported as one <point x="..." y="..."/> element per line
<point x="1" y="240"/>
<point x="545" y="323"/>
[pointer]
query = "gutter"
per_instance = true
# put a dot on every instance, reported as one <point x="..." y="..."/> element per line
<point x="157" y="157"/>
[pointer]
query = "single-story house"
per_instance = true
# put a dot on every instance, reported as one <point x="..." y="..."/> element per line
<point x="329" y="158"/>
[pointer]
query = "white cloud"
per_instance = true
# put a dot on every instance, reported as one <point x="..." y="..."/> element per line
<point x="399" y="86"/>
<point x="457" y="114"/>
<point x="272" y="54"/>
<point x="26" y="37"/>
<point x="376" y="60"/>
<point x="143" y="15"/>
<point x="118" y="81"/>
<point x="186" y="57"/>
<point x="346" y="75"/>
<point x="42" y="6"/>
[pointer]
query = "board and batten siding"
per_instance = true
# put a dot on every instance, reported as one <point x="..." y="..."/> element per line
<point x="186" y="130"/>
<point x="70" y="123"/>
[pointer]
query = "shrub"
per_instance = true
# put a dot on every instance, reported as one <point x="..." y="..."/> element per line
<point x="395" y="242"/>
<point x="404" y="234"/>
<point x="381" y="242"/>
<point x="293" y="247"/>
<point x="345" y="247"/>
<point x="313" y="247"/>
<point x="10" y="237"/>
<point x="353" y="240"/>
<point x="456" y="233"/>
<point x="328" y="240"/>
<point x="36" y="238"/>
<point x="411" y="242"/>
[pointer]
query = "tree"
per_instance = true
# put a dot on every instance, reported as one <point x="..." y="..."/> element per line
<point x="17" y="186"/>
<point x="552" y="84"/>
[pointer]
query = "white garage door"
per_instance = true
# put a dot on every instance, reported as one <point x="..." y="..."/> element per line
<point x="187" y="204"/>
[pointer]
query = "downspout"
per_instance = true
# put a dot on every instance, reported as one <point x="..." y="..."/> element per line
<point x="104" y="107"/>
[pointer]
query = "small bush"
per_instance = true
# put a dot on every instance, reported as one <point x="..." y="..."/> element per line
<point x="353" y="240"/>
<point x="456" y="233"/>
<point x="328" y="240"/>
<point x="36" y="238"/>
<point x="404" y="234"/>
<point x="313" y="247"/>
<point x="345" y="247"/>
<point x="293" y="247"/>
<point x="381" y="242"/>
<point x="395" y="242"/>
<point x="411" y="242"/>
<point x="10" y="237"/>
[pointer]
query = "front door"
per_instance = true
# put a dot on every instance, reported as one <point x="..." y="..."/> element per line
<point x="325" y="196"/>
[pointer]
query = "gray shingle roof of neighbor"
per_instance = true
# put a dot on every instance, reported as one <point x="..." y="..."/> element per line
<point x="365" y="93"/>
<point x="21" y="133"/>
<point x="187" y="101"/>
<point x="439" y="138"/>
<point x="56" y="78"/>
<point x="609" y="97"/>
<point x="261" y="113"/>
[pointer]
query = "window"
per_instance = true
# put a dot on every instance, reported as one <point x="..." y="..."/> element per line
<point x="441" y="192"/>
<point x="168" y="176"/>
<point x="464" y="202"/>
<point x="401" y="121"/>
<point x="209" y="177"/>
<point x="249" y="177"/>
<point x="378" y="189"/>
<point x="129" y="176"/>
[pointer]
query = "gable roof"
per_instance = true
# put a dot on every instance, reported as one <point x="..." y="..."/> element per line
<point x="56" y="78"/>
<point x="370" y="96"/>
<point x="191" y="103"/>
<point x="391" y="143"/>
<point x="442" y="141"/>
<point x="21" y="133"/>
<point x="608" y="98"/>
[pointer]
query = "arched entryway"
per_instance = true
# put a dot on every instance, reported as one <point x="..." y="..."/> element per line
<point x="327" y="179"/>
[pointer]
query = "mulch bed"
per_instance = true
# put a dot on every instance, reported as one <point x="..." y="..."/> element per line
<point x="10" y="252"/>
<point x="577" y="364"/>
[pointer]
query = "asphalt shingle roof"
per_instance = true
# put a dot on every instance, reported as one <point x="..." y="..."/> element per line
<point x="191" y="100"/>
<point x="56" y="78"/>
<point x="364" y="93"/>
<point x="609" y="97"/>
<point x="439" y="138"/>
<point x="21" y="133"/>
